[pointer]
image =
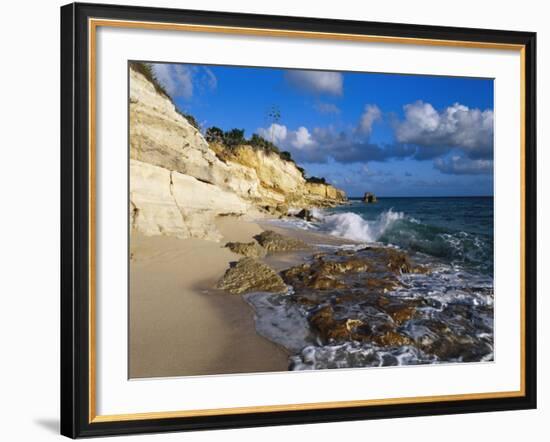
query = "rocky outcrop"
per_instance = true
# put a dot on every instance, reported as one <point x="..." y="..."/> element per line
<point x="275" y="242"/>
<point x="306" y="215"/>
<point x="249" y="275"/>
<point x="250" y="249"/>
<point x="280" y="182"/>
<point x="179" y="183"/>
<point x="164" y="202"/>
<point x="369" y="198"/>
<point x="324" y="192"/>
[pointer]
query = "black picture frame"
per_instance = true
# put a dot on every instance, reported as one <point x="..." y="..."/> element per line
<point x="75" y="220"/>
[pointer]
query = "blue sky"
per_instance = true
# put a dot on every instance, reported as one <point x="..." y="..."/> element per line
<point x="395" y="135"/>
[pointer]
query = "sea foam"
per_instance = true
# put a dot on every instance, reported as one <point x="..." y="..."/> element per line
<point x="352" y="226"/>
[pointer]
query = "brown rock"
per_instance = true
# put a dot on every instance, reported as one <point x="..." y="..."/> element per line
<point x="249" y="275"/>
<point x="398" y="261"/>
<point x="305" y="214"/>
<point x="382" y="284"/>
<point x="275" y="242"/>
<point x="351" y="265"/>
<point x="326" y="282"/>
<point x="400" y="314"/>
<point x="331" y="329"/>
<point x="369" y="198"/>
<point x="250" y="249"/>
<point x="392" y="339"/>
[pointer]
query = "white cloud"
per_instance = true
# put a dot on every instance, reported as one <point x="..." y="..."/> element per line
<point x="323" y="144"/>
<point x="316" y="82"/>
<point x="457" y="126"/>
<point x="210" y="80"/>
<point x="181" y="80"/>
<point x="424" y="134"/>
<point x="301" y="138"/>
<point x="457" y="165"/>
<point x="281" y="136"/>
<point x="276" y="133"/>
<point x="176" y="79"/>
<point x="370" y="115"/>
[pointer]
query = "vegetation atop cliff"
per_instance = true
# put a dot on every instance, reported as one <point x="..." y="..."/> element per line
<point x="146" y="70"/>
<point x="235" y="137"/>
<point x="230" y="139"/>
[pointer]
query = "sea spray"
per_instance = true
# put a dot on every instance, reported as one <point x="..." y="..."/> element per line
<point x="352" y="226"/>
<point x="456" y="230"/>
<point x="444" y="314"/>
<point x="452" y="238"/>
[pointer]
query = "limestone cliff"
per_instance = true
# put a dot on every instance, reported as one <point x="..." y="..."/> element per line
<point x="179" y="184"/>
<point x="166" y="202"/>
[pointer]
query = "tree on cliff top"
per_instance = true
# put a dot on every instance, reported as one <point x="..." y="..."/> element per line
<point x="316" y="180"/>
<point x="234" y="138"/>
<point x="214" y="135"/>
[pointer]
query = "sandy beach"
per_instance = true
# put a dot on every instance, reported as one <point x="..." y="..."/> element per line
<point x="411" y="283"/>
<point x="179" y="326"/>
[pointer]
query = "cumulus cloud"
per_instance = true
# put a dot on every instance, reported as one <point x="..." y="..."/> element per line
<point x="280" y="135"/>
<point x="183" y="80"/>
<point x="276" y="133"/>
<point x="370" y="115"/>
<point x="301" y="138"/>
<point x="327" y="108"/>
<point x="457" y="126"/>
<point x="316" y="82"/>
<point x="424" y="134"/>
<point x="457" y="165"/>
<point x="325" y="144"/>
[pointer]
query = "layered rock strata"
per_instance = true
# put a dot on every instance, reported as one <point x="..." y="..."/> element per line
<point x="179" y="183"/>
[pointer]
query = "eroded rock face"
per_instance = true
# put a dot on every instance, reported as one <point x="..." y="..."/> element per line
<point x="161" y="137"/>
<point x="250" y="249"/>
<point x="318" y="191"/>
<point x="164" y="202"/>
<point x="249" y="275"/>
<point x="275" y="242"/>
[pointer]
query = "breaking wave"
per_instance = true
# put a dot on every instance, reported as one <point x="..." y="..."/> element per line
<point x="398" y="229"/>
<point x="353" y="226"/>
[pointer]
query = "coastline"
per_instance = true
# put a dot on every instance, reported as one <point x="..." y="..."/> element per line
<point x="179" y="325"/>
<point x="350" y="304"/>
<point x="236" y="266"/>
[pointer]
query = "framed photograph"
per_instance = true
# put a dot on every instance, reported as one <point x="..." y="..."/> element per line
<point x="274" y="220"/>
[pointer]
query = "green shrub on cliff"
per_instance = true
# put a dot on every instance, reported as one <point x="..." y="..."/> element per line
<point x="146" y="70"/>
<point x="316" y="180"/>
<point x="214" y="135"/>
<point x="260" y="142"/>
<point x="234" y="138"/>
<point x="190" y="119"/>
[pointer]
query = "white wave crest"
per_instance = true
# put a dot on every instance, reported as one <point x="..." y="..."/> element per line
<point x="352" y="226"/>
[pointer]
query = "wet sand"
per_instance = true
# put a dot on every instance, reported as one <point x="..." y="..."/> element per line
<point x="179" y="326"/>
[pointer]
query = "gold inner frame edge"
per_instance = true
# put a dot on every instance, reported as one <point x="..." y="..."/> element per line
<point x="93" y="24"/>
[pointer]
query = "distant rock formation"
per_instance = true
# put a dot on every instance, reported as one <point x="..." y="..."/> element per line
<point x="369" y="198"/>
<point x="179" y="182"/>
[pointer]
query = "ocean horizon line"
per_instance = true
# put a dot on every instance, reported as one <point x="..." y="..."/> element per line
<point x="428" y="196"/>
